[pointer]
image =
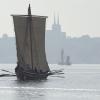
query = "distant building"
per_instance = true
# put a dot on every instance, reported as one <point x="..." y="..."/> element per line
<point x="5" y="36"/>
<point x="83" y="50"/>
<point x="55" y="40"/>
<point x="7" y="49"/>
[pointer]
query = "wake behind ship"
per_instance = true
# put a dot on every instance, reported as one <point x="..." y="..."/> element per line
<point x="30" y="45"/>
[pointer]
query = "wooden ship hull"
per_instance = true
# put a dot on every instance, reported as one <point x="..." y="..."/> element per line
<point x="29" y="75"/>
<point x="30" y="46"/>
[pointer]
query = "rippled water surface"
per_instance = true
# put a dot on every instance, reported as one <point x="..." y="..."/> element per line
<point x="79" y="82"/>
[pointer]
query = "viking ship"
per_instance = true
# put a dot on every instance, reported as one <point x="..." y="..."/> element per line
<point x="30" y="45"/>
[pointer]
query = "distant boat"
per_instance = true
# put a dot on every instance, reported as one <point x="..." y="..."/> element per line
<point x="64" y="62"/>
<point x="62" y="58"/>
<point x="30" y="45"/>
<point x="68" y="62"/>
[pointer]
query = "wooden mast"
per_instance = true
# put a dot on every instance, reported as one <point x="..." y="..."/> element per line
<point x="30" y="31"/>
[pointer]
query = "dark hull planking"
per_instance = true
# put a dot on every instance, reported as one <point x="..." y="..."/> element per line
<point x="30" y="75"/>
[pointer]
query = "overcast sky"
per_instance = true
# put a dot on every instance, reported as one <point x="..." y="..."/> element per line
<point x="77" y="17"/>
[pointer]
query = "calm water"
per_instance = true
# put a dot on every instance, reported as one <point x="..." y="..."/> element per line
<point x="79" y="82"/>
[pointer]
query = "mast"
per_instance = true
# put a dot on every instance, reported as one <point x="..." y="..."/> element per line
<point x="30" y="31"/>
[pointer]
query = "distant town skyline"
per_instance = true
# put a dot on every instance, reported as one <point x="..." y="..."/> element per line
<point x="81" y="50"/>
<point x="77" y="17"/>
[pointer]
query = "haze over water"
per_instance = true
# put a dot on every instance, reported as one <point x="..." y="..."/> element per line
<point x="79" y="82"/>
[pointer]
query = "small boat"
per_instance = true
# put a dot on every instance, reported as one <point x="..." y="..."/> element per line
<point x="30" y="45"/>
<point x="64" y="62"/>
<point x="68" y="62"/>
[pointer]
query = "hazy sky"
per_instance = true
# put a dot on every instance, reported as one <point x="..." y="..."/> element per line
<point x="77" y="17"/>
